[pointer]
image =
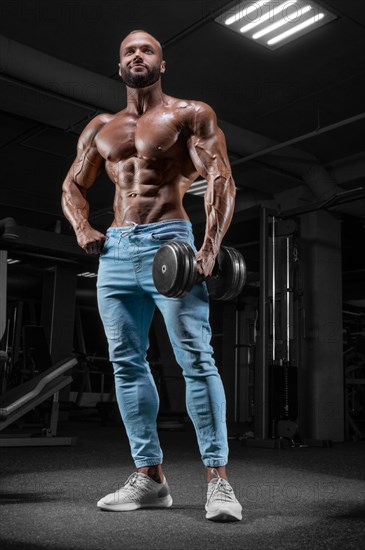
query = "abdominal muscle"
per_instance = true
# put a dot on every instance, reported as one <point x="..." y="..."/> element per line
<point x="144" y="195"/>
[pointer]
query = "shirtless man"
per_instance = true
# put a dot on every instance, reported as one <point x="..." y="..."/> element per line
<point x="153" y="150"/>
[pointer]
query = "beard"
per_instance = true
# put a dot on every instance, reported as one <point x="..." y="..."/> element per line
<point x="139" y="80"/>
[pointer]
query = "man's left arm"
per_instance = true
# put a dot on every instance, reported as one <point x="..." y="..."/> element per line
<point x="208" y="151"/>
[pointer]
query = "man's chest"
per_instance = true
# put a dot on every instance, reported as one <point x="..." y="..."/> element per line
<point x="149" y="136"/>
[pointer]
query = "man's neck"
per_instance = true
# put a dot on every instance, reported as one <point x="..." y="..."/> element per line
<point x="140" y="100"/>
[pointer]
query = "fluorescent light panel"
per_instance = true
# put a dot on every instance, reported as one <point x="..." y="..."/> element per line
<point x="198" y="187"/>
<point x="87" y="275"/>
<point x="274" y="23"/>
<point x="296" y="28"/>
<point x="270" y="14"/>
<point x="245" y="12"/>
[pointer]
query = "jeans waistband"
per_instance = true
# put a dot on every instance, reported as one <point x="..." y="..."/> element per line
<point x="133" y="227"/>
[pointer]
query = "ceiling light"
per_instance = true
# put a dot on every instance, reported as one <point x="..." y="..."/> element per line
<point x="295" y="29"/>
<point x="87" y="275"/>
<point x="275" y="23"/>
<point x="11" y="261"/>
<point x="268" y="15"/>
<point x="244" y="12"/>
<point x="198" y="187"/>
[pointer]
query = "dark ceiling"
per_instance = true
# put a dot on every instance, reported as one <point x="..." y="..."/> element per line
<point x="310" y="93"/>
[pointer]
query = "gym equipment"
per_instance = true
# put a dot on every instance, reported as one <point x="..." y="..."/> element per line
<point x="276" y="388"/>
<point x="354" y="367"/>
<point x="283" y="296"/>
<point x="18" y="401"/>
<point x="93" y="378"/>
<point x="36" y="356"/>
<point x="175" y="271"/>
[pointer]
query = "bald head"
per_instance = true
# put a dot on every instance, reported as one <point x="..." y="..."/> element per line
<point x="140" y="35"/>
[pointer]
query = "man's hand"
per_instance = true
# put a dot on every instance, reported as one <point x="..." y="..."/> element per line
<point x="90" y="240"/>
<point x="205" y="263"/>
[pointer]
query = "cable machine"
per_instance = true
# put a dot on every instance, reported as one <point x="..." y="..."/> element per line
<point x="278" y="341"/>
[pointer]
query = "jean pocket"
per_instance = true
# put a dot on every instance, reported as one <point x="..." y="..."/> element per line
<point x="171" y="236"/>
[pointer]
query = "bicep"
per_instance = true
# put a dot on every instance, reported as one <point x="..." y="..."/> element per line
<point x="88" y="161"/>
<point x="86" y="166"/>
<point x="207" y="146"/>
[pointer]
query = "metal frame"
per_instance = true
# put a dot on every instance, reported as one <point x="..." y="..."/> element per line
<point x="267" y="324"/>
<point x="3" y="290"/>
<point x="48" y="439"/>
<point x="261" y="369"/>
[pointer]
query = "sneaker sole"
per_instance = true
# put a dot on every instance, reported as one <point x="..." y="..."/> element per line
<point x="224" y="515"/>
<point x="165" y="502"/>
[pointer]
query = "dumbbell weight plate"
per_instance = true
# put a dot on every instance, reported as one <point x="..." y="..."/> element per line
<point x="231" y="276"/>
<point x="174" y="269"/>
<point x="231" y="287"/>
<point x="191" y="270"/>
<point x="242" y="271"/>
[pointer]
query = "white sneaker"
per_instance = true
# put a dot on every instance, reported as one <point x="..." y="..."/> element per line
<point x="139" y="491"/>
<point x="222" y="504"/>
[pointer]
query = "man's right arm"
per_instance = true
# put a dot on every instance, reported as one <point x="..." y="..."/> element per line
<point x="82" y="174"/>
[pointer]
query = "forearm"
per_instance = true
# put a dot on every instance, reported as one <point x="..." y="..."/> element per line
<point x="219" y="203"/>
<point x="74" y="205"/>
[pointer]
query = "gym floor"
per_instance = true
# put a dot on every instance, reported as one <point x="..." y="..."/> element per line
<point x="303" y="497"/>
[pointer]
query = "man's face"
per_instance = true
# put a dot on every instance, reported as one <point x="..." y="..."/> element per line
<point x="140" y="60"/>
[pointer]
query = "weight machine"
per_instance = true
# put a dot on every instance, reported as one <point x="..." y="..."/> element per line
<point x="20" y="395"/>
<point x="299" y="340"/>
<point x="278" y="334"/>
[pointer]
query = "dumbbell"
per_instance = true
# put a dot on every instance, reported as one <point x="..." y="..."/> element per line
<point x="175" y="271"/>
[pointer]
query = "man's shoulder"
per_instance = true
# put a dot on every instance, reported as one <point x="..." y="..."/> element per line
<point x="94" y="125"/>
<point x="190" y="104"/>
<point x="99" y="120"/>
<point x="191" y="110"/>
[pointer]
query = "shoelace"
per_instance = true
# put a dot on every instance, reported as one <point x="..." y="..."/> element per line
<point x="132" y="479"/>
<point x="222" y="491"/>
<point x="130" y="486"/>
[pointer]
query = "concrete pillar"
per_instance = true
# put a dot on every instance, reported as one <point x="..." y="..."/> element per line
<point x="320" y="375"/>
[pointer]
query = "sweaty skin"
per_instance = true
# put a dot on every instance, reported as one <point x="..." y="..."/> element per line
<point x="152" y="150"/>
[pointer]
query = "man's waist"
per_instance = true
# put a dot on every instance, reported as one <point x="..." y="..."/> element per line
<point x="152" y="226"/>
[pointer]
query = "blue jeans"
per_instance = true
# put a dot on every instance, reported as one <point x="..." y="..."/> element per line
<point x="127" y="298"/>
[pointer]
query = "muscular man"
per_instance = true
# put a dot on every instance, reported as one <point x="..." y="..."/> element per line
<point x="153" y="150"/>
